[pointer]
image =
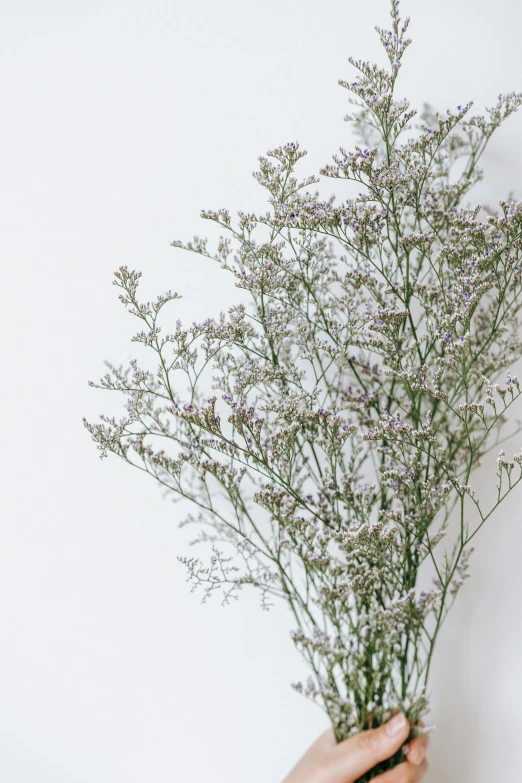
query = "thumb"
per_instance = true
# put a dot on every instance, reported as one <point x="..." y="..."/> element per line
<point x="360" y="753"/>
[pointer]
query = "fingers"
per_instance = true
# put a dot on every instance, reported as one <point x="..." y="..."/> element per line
<point x="357" y="755"/>
<point x="404" y="773"/>
<point x="325" y="742"/>
<point x="417" y="749"/>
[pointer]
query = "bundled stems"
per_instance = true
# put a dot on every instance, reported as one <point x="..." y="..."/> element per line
<point x="327" y="427"/>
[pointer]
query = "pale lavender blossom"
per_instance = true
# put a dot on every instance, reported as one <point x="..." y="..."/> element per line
<point x="327" y="427"/>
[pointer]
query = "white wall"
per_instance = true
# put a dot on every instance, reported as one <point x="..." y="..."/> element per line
<point x="121" y="120"/>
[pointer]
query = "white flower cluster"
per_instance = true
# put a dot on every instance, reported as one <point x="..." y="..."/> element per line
<point x="327" y="427"/>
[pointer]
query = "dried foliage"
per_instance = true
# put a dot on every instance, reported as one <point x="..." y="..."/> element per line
<point x="327" y="427"/>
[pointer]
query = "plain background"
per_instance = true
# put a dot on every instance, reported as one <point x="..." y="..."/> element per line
<point x="120" y="121"/>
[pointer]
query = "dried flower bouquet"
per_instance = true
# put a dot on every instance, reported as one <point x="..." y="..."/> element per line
<point x="326" y="428"/>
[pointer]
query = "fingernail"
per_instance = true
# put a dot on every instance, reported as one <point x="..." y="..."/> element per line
<point x="416" y="756"/>
<point x="396" y="725"/>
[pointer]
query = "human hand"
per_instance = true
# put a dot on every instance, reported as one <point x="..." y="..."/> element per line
<point x="328" y="761"/>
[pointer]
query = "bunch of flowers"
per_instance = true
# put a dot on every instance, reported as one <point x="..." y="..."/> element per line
<point x="326" y="428"/>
